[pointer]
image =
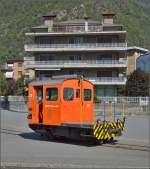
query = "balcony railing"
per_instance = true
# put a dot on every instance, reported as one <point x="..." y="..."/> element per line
<point x="76" y="63"/>
<point x="92" y="28"/>
<point x="75" y="46"/>
<point x="107" y="79"/>
<point x="100" y="80"/>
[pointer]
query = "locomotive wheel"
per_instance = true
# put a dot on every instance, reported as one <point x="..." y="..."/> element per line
<point x="48" y="135"/>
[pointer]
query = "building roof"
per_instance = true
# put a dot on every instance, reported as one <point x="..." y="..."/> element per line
<point x="48" y="81"/>
<point x="14" y="60"/>
<point x="139" y="49"/>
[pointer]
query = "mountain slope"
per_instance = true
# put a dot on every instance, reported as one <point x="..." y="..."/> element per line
<point x="18" y="16"/>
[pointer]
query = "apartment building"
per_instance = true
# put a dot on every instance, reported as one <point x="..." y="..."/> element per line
<point x="94" y="49"/>
<point x="13" y="69"/>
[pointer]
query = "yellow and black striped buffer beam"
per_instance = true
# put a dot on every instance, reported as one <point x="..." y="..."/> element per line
<point x="104" y="130"/>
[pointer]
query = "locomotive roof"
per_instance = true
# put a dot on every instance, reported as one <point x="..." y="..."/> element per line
<point x="48" y="81"/>
<point x="56" y="80"/>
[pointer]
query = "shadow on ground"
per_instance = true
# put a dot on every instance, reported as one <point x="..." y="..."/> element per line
<point x="38" y="137"/>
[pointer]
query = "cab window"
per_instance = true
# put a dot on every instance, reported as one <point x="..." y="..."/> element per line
<point x="68" y="94"/>
<point x="51" y="94"/>
<point x="39" y="95"/>
<point x="87" y="94"/>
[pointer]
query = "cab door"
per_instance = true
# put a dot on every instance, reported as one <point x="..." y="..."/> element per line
<point x="51" y="105"/>
<point x="39" y="103"/>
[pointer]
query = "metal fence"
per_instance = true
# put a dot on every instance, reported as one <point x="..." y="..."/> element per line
<point x="107" y="107"/>
<point x="112" y="107"/>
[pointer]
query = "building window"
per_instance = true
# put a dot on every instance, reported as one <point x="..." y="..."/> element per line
<point x="104" y="73"/>
<point x="104" y="39"/>
<point x="20" y="73"/>
<point x="45" y="41"/>
<point x="77" y="72"/>
<point x="87" y="94"/>
<point x="76" y="40"/>
<point x="68" y="94"/>
<point x="45" y="57"/>
<point x="51" y="94"/>
<point x="105" y="56"/>
<point x="74" y="57"/>
<point x="19" y="64"/>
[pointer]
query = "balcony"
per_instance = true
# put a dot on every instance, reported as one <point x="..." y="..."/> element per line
<point x="9" y="75"/>
<point x="107" y="80"/>
<point x="78" y="29"/>
<point x="75" y="47"/>
<point x="75" y="64"/>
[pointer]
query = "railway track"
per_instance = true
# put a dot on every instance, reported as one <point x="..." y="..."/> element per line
<point x="128" y="146"/>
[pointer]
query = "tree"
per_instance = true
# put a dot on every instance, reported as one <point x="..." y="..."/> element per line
<point x="137" y="84"/>
<point x="11" y="87"/>
<point x="20" y="86"/>
<point x="16" y="87"/>
<point x="3" y="85"/>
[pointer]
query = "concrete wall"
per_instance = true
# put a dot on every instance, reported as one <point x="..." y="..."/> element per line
<point x="132" y="56"/>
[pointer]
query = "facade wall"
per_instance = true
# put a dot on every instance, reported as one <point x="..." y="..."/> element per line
<point x="18" y="70"/>
<point x="13" y="70"/>
<point x="132" y="56"/>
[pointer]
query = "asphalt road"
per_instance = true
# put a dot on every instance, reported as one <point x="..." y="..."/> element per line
<point x="21" y="147"/>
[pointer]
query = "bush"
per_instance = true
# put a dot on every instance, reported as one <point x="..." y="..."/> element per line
<point x="97" y="99"/>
